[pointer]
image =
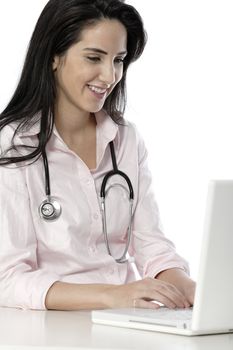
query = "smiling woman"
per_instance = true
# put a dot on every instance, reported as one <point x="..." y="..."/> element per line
<point x="90" y="70"/>
<point x="65" y="123"/>
<point x="85" y="77"/>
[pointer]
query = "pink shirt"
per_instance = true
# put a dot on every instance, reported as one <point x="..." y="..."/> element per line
<point x="35" y="253"/>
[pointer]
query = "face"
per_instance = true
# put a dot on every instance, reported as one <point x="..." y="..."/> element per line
<point x="91" y="68"/>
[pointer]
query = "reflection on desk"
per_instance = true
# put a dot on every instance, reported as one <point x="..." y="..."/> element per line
<point x="73" y="329"/>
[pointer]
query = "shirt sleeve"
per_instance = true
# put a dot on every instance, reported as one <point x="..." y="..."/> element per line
<point x="153" y="252"/>
<point x="23" y="284"/>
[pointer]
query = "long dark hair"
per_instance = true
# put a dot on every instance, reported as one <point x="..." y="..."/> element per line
<point x="58" y="28"/>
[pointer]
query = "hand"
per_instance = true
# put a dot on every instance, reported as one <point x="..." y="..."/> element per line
<point x="181" y="280"/>
<point x="189" y="291"/>
<point x="141" y="294"/>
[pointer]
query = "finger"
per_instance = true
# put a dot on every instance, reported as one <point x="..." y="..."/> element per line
<point x="182" y="296"/>
<point x="144" y="304"/>
<point x="150" y="295"/>
<point x="170" y="296"/>
<point x="174" y="294"/>
<point x="163" y="292"/>
<point x="163" y="299"/>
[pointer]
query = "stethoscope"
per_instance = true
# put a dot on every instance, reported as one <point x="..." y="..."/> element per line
<point x="50" y="209"/>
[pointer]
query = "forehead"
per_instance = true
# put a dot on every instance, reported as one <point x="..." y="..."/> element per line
<point x="110" y="35"/>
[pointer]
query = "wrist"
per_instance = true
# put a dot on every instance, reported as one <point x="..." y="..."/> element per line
<point x="107" y="298"/>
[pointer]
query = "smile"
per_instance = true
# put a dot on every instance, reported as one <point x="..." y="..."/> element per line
<point x="97" y="89"/>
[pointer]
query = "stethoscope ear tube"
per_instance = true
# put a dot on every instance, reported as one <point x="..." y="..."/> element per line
<point x="109" y="175"/>
<point x="103" y="192"/>
<point x="113" y="172"/>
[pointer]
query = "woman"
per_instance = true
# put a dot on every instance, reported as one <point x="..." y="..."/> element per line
<point x="61" y="133"/>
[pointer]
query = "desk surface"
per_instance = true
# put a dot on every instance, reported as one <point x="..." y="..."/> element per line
<point x="50" y="330"/>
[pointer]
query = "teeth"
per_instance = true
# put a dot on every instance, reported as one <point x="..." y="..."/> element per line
<point x="95" y="89"/>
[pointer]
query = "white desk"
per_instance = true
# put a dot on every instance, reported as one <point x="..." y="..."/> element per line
<point x="50" y="330"/>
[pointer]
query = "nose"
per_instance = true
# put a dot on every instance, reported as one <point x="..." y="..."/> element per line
<point x="108" y="74"/>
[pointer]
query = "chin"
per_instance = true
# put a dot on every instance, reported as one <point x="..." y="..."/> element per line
<point x="95" y="110"/>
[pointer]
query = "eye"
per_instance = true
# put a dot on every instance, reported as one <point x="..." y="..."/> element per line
<point x="93" y="58"/>
<point x="119" y="60"/>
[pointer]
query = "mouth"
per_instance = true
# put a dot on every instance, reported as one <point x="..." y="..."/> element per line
<point x="97" y="91"/>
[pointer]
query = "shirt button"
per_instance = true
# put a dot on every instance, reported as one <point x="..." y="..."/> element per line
<point x="96" y="216"/>
<point x="92" y="249"/>
<point x="111" y="271"/>
<point x="88" y="182"/>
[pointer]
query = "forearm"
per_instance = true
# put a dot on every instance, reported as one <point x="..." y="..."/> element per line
<point x="70" y="296"/>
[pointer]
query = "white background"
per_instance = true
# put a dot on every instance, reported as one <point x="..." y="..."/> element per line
<point x="179" y="95"/>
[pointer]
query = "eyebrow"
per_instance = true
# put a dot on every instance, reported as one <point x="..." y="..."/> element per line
<point x="102" y="51"/>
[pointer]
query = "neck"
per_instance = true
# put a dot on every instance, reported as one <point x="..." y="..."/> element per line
<point x="73" y="124"/>
<point x="75" y="128"/>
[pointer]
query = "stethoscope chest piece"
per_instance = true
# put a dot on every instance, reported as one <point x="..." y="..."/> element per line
<point x="50" y="209"/>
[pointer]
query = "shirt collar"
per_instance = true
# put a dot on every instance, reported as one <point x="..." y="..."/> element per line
<point x="106" y="127"/>
<point x="106" y="131"/>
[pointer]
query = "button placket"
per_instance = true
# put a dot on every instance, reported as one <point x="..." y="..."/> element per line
<point x="95" y="228"/>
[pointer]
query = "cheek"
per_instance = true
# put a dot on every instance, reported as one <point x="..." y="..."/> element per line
<point x="64" y="79"/>
<point x="118" y="77"/>
<point x="119" y="74"/>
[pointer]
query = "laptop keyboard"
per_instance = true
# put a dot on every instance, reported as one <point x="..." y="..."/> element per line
<point x="179" y="318"/>
<point x="166" y="314"/>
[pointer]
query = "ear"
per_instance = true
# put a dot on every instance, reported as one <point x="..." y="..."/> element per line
<point x="56" y="61"/>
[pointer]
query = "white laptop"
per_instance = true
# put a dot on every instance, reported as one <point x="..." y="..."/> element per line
<point x="213" y="305"/>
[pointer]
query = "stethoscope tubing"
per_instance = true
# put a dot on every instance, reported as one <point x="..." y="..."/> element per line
<point x="50" y="208"/>
<point x="103" y="192"/>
